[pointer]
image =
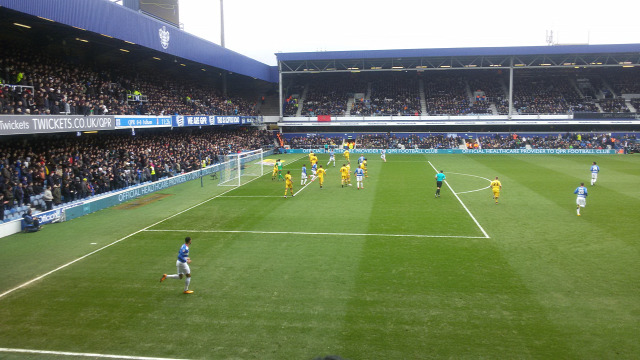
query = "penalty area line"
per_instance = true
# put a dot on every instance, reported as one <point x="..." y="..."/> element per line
<point x="317" y="233"/>
<point x="463" y="205"/>
<point x="66" y="353"/>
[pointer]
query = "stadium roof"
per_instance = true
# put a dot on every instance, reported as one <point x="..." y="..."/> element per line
<point x="452" y="58"/>
<point x="109" y="24"/>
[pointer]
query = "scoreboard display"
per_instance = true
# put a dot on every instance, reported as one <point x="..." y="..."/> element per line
<point x="166" y="10"/>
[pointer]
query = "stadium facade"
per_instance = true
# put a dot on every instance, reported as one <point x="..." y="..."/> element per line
<point x="111" y="28"/>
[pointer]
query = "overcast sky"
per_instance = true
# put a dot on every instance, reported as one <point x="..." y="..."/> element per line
<point x="260" y="28"/>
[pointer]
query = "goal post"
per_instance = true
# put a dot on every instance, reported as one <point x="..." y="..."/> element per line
<point x="247" y="165"/>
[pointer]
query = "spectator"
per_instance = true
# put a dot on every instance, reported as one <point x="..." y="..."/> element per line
<point x="48" y="198"/>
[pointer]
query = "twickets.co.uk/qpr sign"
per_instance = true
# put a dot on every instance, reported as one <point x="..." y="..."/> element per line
<point x="24" y="124"/>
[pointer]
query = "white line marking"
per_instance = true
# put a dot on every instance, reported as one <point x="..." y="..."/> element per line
<point x="249" y="196"/>
<point x="463" y="205"/>
<point x="319" y="233"/>
<point x="107" y="356"/>
<point x="470" y="191"/>
<point x="117" y="241"/>
<point x="303" y="187"/>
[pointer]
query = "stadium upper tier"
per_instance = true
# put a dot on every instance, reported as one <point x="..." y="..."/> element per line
<point x="409" y="93"/>
<point x="36" y="82"/>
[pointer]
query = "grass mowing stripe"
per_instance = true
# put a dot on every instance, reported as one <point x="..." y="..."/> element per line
<point x="463" y="205"/>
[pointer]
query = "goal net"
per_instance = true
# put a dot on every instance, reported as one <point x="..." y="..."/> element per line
<point x="241" y="167"/>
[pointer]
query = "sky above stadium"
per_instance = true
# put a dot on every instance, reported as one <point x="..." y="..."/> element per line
<point x="260" y="28"/>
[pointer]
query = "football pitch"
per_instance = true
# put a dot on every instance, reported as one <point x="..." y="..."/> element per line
<point x="386" y="272"/>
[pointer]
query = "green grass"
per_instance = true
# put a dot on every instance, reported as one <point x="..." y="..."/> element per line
<point x="388" y="272"/>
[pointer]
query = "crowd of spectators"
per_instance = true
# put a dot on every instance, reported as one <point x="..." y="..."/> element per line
<point x="329" y="95"/>
<point x="312" y="141"/>
<point x="560" y="141"/>
<point x="291" y="101"/>
<point x="535" y="92"/>
<point x="394" y="94"/>
<point x="446" y="96"/>
<point x="625" y="82"/>
<point x="613" y="105"/>
<point x="74" y="167"/>
<point x="42" y="84"/>
<point x="491" y="141"/>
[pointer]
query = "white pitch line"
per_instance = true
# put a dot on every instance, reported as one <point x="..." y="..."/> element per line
<point x="104" y="356"/>
<point x="318" y="233"/>
<point x="303" y="187"/>
<point x="463" y="205"/>
<point x="113" y="243"/>
<point x="470" y="191"/>
<point x="249" y="196"/>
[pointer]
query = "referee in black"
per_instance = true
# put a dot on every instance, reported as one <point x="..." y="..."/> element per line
<point x="439" y="179"/>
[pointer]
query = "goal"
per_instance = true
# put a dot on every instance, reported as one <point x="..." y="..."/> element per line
<point x="245" y="165"/>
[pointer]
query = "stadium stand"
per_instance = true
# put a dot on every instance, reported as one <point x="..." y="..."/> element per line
<point x="84" y="166"/>
<point x="37" y="83"/>
<point x="536" y="92"/>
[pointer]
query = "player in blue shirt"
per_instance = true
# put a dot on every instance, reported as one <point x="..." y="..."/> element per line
<point x="303" y="175"/>
<point x="581" y="201"/>
<point x="439" y="179"/>
<point x="595" y="169"/>
<point x="359" y="177"/>
<point x="332" y="158"/>
<point x="360" y="159"/>
<point x="314" y="170"/>
<point x="183" y="266"/>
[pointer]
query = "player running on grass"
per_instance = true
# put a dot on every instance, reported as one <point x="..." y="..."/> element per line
<point x="303" y="175"/>
<point x="332" y="158"/>
<point x="595" y="169"/>
<point x="320" y="172"/>
<point x="359" y="177"/>
<point x="496" y="186"/>
<point x="581" y="200"/>
<point x="183" y="266"/>
<point x="288" y="184"/>
<point x="344" y="174"/>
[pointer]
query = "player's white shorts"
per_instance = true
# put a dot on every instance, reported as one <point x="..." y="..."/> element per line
<point x="303" y="176"/>
<point x="313" y="172"/>
<point x="594" y="176"/>
<point x="183" y="267"/>
<point x="359" y="178"/>
<point x="383" y="157"/>
<point x="581" y="201"/>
